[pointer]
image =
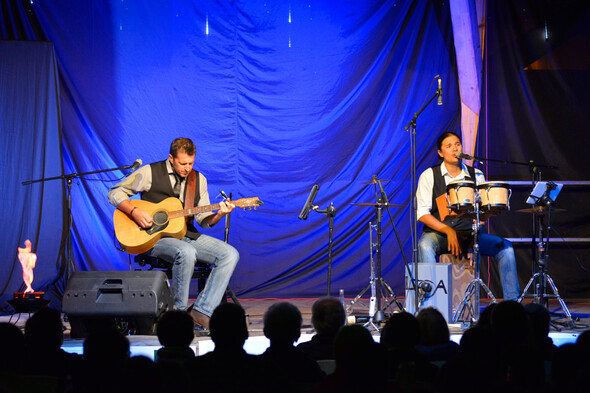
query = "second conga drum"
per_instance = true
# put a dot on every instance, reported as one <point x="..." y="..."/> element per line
<point x="461" y="195"/>
<point x="495" y="195"/>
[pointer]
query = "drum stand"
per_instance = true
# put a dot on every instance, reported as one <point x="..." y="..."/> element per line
<point x="473" y="289"/>
<point x="379" y="287"/>
<point x="541" y="278"/>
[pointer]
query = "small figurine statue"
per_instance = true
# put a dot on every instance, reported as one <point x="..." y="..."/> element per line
<point x="27" y="260"/>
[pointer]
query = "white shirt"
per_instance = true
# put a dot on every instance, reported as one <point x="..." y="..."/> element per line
<point x="426" y="184"/>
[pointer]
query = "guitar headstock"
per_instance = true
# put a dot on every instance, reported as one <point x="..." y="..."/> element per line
<point x="248" y="203"/>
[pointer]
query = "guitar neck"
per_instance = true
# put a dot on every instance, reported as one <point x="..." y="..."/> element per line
<point x="193" y="210"/>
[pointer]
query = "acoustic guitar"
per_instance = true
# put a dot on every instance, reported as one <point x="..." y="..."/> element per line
<point x="169" y="221"/>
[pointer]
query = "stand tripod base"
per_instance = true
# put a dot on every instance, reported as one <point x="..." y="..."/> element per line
<point x="376" y="315"/>
<point x="468" y="310"/>
<point x="541" y="297"/>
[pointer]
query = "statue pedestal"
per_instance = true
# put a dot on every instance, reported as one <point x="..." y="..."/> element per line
<point x="28" y="302"/>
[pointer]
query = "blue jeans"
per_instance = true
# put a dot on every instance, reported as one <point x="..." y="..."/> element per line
<point x="183" y="254"/>
<point x="432" y="244"/>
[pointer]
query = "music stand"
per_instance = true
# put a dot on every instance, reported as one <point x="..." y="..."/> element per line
<point x="543" y="196"/>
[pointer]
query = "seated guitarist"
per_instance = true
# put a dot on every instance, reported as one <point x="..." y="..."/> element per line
<point x="168" y="178"/>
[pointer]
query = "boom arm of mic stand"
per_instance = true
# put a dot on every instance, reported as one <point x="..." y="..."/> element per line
<point x="74" y="174"/>
<point x="531" y="163"/>
<point x="412" y="123"/>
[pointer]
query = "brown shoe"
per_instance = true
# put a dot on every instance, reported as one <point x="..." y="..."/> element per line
<point x="200" y="319"/>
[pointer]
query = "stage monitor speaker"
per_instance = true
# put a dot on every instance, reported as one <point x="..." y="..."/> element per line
<point x="131" y="301"/>
<point x="435" y="289"/>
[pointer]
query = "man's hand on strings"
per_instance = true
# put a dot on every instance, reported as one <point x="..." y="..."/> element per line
<point x="142" y="218"/>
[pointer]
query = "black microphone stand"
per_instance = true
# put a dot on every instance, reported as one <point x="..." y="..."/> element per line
<point x="414" y="210"/>
<point x="69" y="178"/>
<point x="330" y="212"/>
<point x="228" y="290"/>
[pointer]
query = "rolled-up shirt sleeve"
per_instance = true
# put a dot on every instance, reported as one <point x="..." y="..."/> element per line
<point x="138" y="181"/>
<point x="424" y="193"/>
<point x="203" y="201"/>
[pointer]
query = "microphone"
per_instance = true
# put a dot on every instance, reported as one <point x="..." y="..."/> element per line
<point x="439" y="102"/>
<point x="135" y="165"/>
<point x="425" y="286"/>
<point x="309" y="203"/>
<point x="464" y="156"/>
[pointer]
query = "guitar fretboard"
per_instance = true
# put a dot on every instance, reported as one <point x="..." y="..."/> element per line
<point x="192" y="211"/>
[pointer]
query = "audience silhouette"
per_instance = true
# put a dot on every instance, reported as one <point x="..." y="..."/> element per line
<point x="361" y="363"/>
<point x="228" y="368"/>
<point x="12" y="356"/>
<point x="290" y="368"/>
<point x="407" y="367"/>
<point x="508" y="350"/>
<point x="327" y="317"/>
<point x="44" y="338"/>
<point x="175" y="331"/>
<point x="435" y="338"/>
<point x="105" y="355"/>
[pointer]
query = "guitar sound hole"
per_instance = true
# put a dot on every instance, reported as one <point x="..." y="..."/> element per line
<point x="160" y="217"/>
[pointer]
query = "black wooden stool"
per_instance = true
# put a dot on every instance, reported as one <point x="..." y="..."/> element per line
<point x="201" y="272"/>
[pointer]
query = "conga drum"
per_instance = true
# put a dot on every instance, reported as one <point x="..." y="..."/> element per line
<point x="461" y="195"/>
<point x="495" y="196"/>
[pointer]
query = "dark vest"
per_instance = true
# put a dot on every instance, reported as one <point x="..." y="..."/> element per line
<point x="439" y="188"/>
<point x="162" y="189"/>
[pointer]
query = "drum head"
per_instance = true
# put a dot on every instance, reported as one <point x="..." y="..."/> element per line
<point x="460" y="183"/>
<point x="491" y="184"/>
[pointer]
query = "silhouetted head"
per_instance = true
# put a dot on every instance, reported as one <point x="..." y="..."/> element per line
<point x="540" y="319"/>
<point x="228" y="326"/>
<point x="175" y="329"/>
<point x="433" y="327"/>
<point x="44" y="330"/>
<point x="401" y="330"/>
<point x="583" y="341"/>
<point x="12" y="342"/>
<point x="106" y="347"/>
<point x="282" y="323"/>
<point x="327" y="315"/>
<point x="511" y="328"/>
<point x="485" y="318"/>
<point x="358" y="355"/>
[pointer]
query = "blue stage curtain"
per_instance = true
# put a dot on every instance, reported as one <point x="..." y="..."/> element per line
<point x="31" y="149"/>
<point x="278" y="96"/>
